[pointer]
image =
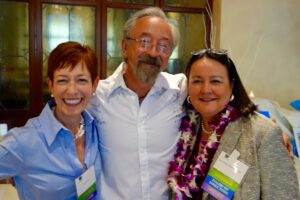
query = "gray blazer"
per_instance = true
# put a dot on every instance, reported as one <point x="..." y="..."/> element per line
<point x="271" y="173"/>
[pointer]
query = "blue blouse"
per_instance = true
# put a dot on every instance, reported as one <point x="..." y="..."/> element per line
<point x="42" y="159"/>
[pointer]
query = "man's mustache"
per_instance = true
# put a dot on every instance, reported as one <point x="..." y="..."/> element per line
<point x="150" y="60"/>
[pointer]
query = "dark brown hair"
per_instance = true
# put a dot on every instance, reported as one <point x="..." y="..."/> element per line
<point x="241" y="99"/>
<point x="69" y="54"/>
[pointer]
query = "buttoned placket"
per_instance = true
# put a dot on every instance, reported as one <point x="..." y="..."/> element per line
<point x="70" y="147"/>
<point x="143" y="153"/>
<point x="141" y="110"/>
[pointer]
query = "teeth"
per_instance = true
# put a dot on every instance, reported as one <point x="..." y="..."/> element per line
<point x="73" y="101"/>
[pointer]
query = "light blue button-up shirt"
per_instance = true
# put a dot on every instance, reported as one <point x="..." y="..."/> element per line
<point x="42" y="158"/>
<point x="137" y="141"/>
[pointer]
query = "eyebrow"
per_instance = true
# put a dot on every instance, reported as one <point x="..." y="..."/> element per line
<point x="197" y="76"/>
<point x="221" y="77"/>
<point x="146" y="34"/>
<point x="66" y="76"/>
<point x="61" y="75"/>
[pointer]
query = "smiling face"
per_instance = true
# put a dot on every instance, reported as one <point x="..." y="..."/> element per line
<point x="72" y="89"/>
<point x="146" y="63"/>
<point x="209" y="87"/>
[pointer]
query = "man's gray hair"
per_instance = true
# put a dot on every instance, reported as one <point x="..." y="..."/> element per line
<point x="150" y="11"/>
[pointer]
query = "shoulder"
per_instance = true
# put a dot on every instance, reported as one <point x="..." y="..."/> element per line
<point x="174" y="78"/>
<point x="261" y="132"/>
<point x="176" y="82"/>
<point x="20" y="137"/>
<point x="34" y="129"/>
<point x="28" y="129"/>
<point x="256" y="130"/>
<point x="111" y="81"/>
<point x="264" y="126"/>
<point x="107" y="87"/>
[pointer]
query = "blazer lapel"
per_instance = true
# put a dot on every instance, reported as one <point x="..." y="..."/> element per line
<point x="229" y="139"/>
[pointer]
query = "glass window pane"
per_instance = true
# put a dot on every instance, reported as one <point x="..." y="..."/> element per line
<point x="63" y="23"/>
<point x="192" y="37"/>
<point x="14" y="56"/>
<point x="133" y="1"/>
<point x="116" y="19"/>
<point x="186" y="3"/>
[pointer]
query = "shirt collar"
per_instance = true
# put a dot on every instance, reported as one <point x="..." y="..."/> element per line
<point x="118" y="78"/>
<point x="51" y="127"/>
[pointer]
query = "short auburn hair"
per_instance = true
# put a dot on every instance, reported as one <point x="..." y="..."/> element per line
<point x="69" y="54"/>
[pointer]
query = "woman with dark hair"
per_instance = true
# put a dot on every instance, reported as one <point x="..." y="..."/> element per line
<point x="54" y="153"/>
<point x="226" y="149"/>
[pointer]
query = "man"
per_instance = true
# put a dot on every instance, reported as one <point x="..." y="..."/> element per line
<point x="138" y="109"/>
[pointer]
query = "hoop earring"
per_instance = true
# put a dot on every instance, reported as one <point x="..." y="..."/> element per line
<point x="188" y="99"/>
<point x="232" y="97"/>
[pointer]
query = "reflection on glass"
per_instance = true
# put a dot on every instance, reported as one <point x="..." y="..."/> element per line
<point x="14" y="58"/>
<point x="63" y="23"/>
<point x="186" y="3"/>
<point x="133" y="1"/>
<point x="116" y="19"/>
<point x="192" y="36"/>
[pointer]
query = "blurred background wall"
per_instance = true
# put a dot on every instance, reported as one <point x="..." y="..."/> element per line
<point x="263" y="38"/>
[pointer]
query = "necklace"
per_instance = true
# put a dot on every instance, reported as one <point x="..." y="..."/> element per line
<point x="204" y="130"/>
<point x="80" y="132"/>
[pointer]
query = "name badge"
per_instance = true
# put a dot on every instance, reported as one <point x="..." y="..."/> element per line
<point x="86" y="185"/>
<point x="225" y="176"/>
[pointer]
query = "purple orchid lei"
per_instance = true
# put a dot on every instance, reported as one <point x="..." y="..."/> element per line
<point x="182" y="184"/>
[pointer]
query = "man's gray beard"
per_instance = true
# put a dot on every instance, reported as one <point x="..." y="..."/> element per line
<point x="147" y="76"/>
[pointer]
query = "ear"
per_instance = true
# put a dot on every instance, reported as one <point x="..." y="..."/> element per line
<point x="124" y="48"/>
<point x="95" y="84"/>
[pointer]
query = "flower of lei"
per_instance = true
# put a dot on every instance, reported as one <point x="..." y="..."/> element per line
<point x="184" y="184"/>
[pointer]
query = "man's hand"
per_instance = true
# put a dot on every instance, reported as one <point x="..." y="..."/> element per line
<point x="286" y="142"/>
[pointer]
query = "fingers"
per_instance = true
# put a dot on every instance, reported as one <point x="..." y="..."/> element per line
<point x="288" y="145"/>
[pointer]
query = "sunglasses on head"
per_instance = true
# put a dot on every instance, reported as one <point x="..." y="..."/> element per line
<point x="213" y="52"/>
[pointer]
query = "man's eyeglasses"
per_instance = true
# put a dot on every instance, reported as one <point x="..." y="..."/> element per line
<point x="213" y="52"/>
<point x="145" y="44"/>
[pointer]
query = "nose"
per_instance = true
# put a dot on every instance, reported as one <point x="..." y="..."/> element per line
<point x="153" y="52"/>
<point x="72" y="87"/>
<point x="205" y="87"/>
